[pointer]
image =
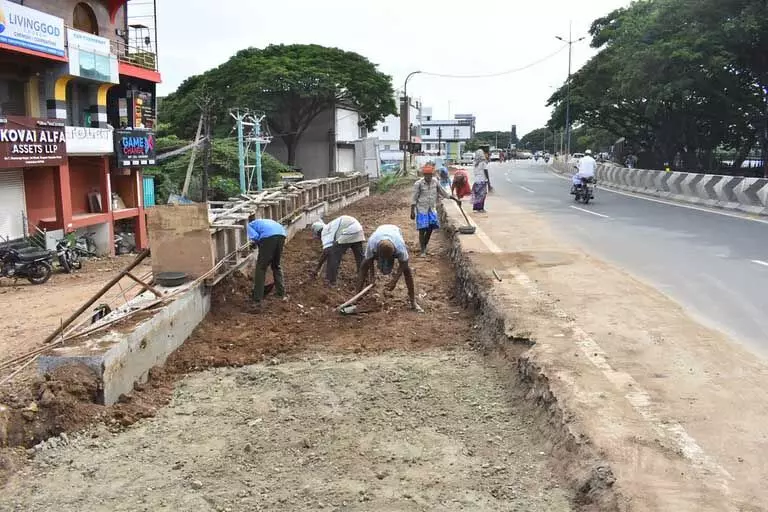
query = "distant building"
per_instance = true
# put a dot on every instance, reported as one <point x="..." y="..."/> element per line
<point x="335" y="141"/>
<point x="448" y="137"/>
<point x="388" y="134"/>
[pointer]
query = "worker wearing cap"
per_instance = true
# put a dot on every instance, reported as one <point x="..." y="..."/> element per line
<point x="426" y="192"/>
<point x="386" y="245"/>
<point x="337" y="236"/>
<point x="269" y="236"/>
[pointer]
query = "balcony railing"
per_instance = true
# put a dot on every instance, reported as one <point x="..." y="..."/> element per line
<point x="141" y="57"/>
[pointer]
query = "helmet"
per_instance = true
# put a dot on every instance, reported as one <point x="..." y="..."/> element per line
<point x="588" y="152"/>
<point x="317" y="227"/>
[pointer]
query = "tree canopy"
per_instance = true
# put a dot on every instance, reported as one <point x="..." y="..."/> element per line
<point x="290" y="84"/>
<point x="679" y="80"/>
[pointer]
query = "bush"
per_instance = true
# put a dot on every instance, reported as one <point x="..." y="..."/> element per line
<point x="224" y="178"/>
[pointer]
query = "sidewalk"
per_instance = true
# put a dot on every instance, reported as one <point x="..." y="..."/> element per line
<point x="678" y="410"/>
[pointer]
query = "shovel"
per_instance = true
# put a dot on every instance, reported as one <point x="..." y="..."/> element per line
<point x="469" y="229"/>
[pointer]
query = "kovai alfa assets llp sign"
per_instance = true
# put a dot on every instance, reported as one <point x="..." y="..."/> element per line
<point x="30" y="29"/>
<point x="31" y="142"/>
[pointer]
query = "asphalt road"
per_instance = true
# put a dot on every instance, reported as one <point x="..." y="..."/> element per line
<point x="712" y="263"/>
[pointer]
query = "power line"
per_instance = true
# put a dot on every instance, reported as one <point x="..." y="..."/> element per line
<point x="508" y="72"/>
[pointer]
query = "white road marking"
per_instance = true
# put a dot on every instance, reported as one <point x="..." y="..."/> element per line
<point x="742" y="216"/>
<point x="527" y="189"/>
<point x="590" y="212"/>
<point x="640" y="400"/>
<point x="760" y="262"/>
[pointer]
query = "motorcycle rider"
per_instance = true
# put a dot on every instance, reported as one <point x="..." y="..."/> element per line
<point x="586" y="172"/>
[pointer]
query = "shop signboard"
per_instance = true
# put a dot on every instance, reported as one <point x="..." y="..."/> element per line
<point x="89" y="141"/>
<point x="134" y="148"/>
<point x="91" y="57"/>
<point x="31" y="142"/>
<point x="29" y="29"/>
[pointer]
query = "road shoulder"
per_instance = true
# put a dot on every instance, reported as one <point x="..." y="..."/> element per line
<point x="675" y="408"/>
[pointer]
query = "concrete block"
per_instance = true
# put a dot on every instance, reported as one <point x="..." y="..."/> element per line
<point x="121" y="358"/>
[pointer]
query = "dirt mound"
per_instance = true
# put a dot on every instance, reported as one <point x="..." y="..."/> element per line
<point x="232" y="335"/>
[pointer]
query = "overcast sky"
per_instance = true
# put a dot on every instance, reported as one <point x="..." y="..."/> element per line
<point x="477" y="37"/>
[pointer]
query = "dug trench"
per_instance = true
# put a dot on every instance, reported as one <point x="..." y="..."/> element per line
<point x="443" y="401"/>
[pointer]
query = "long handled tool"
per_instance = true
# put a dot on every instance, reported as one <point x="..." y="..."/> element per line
<point x="347" y="308"/>
<point x="469" y="229"/>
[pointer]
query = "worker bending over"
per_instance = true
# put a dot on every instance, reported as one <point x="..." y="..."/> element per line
<point x="386" y="245"/>
<point x="269" y="237"/>
<point x="337" y="236"/>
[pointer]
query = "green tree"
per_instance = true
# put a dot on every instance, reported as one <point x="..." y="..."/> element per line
<point x="224" y="179"/>
<point x="291" y="84"/>
<point x="674" y="79"/>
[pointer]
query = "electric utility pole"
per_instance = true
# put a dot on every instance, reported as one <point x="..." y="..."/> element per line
<point x="570" y="42"/>
<point x="205" y="102"/>
<point x="248" y="126"/>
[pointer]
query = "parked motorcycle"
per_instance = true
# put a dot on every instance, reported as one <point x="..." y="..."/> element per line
<point x="33" y="266"/>
<point x="69" y="258"/>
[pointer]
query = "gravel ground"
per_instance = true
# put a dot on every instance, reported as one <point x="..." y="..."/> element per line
<point x="437" y="430"/>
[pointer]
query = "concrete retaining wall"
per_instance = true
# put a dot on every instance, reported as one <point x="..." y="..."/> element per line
<point x="122" y="357"/>
<point x="749" y="195"/>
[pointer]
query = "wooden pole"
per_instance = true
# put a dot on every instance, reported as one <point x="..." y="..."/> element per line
<point x="112" y="282"/>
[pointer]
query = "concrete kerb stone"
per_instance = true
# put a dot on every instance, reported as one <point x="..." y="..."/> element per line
<point x="589" y="475"/>
<point x="121" y="358"/>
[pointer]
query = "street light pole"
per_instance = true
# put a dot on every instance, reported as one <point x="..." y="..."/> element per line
<point x="405" y="125"/>
<point x="570" y="43"/>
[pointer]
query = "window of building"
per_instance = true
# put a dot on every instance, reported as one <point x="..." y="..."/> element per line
<point x="429" y="118"/>
<point x="455" y="133"/>
<point x="387" y="147"/>
<point x="12" y="97"/>
<point x="385" y="129"/>
<point x="83" y="18"/>
<point x="425" y="131"/>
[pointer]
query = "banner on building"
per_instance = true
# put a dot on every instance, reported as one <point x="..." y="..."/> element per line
<point x="91" y="57"/>
<point x="134" y="148"/>
<point x="31" y="142"/>
<point x="143" y="110"/>
<point x="30" y="29"/>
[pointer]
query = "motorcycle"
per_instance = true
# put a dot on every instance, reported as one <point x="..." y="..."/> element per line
<point x="585" y="192"/>
<point x="69" y="258"/>
<point x="34" y="266"/>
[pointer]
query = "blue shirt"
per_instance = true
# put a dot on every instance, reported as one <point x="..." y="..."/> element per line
<point x="260" y="229"/>
<point x="391" y="233"/>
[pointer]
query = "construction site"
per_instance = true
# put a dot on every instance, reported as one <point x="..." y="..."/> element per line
<point x="296" y="407"/>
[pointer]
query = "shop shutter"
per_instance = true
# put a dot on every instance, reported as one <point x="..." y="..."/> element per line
<point x="12" y="204"/>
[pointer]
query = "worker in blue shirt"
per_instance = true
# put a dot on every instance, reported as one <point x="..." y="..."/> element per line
<point x="269" y="237"/>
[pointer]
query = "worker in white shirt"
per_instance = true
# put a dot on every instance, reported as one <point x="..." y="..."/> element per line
<point x="337" y="237"/>
<point x="586" y="172"/>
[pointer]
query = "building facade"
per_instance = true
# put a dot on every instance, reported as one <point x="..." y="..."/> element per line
<point x="335" y="141"/>
<point x="77" y="114"/>
<point x="387" y="132"/>
<point x="446" y="138"/>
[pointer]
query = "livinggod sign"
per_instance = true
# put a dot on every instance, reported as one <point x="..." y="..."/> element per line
<point x="27" y="28"/>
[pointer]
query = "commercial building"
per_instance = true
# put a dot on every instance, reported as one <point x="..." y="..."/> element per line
<point x="387" y="132"/>
<point x="77" y="113"/>
<point x="446" y="138"/>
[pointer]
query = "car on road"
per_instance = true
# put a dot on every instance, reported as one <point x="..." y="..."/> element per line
<point x="495" y="155"/>
<point x="576" y="159"/>
<point x="468" y="158"/>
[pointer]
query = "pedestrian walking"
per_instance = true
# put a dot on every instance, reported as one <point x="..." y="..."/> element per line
<point x="386" y="245"/>
<point x="482" y="184"/>
<point x="426" y="192"/>
<point x="341" y="234"/>
<point x="269" y="236"/>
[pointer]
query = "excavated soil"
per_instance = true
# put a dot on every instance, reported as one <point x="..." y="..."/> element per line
<point x="233" y="335"/>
